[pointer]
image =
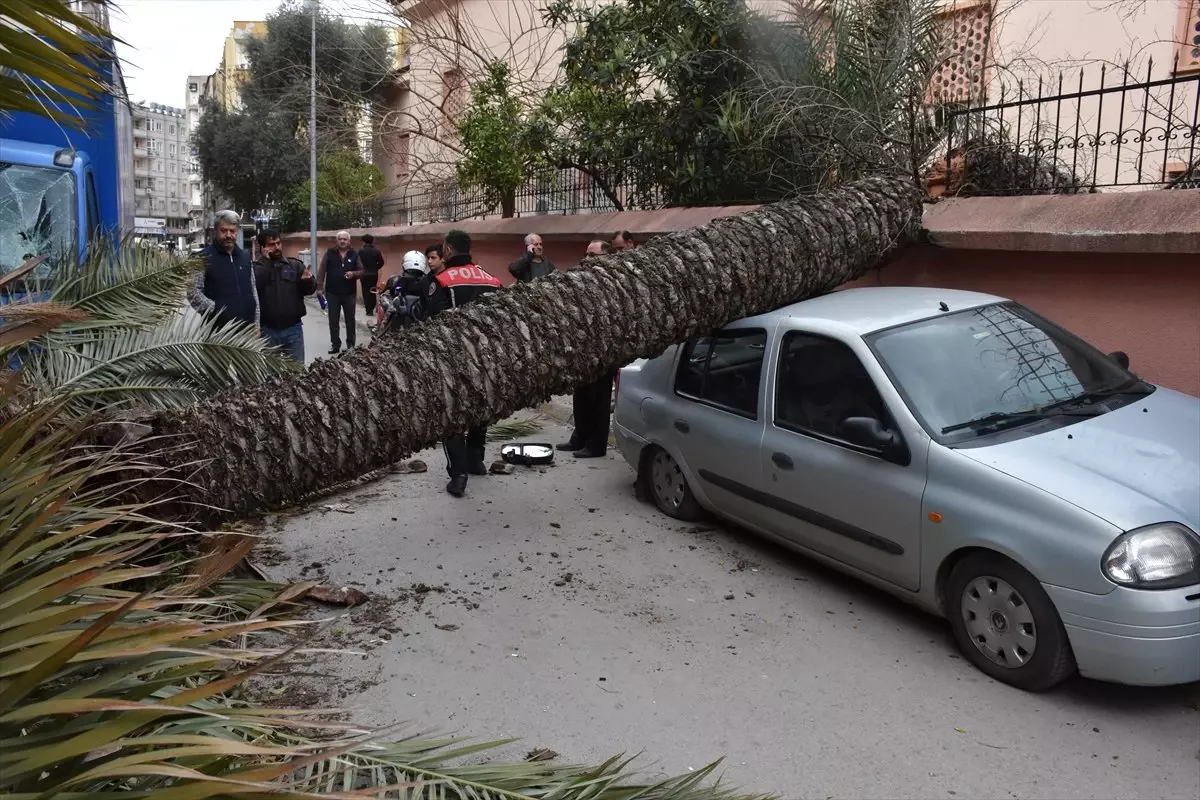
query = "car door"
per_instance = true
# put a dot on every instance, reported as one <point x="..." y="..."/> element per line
<point x="716" y="415"/>
<point x="859" y="504"/>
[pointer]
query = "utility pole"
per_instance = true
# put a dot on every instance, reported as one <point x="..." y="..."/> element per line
<point x="312" y="144"/>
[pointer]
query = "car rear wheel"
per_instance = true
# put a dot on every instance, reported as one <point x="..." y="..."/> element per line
<point x="1006" y="624"/>
<point x="664" y="481"/>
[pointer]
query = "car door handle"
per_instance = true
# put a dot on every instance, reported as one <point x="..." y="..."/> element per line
<point x="682" y="426"/>
<point x="782" y="461"/>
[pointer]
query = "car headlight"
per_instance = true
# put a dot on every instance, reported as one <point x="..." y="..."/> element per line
<point x="1164" y="556"/>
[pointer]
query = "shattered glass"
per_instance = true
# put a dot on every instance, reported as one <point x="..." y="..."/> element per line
<point x="37" y="216"/>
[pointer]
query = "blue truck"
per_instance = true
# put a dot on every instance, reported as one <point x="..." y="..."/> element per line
<point x="62" y="187"/>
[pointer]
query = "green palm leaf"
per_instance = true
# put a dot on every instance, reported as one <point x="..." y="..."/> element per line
<point x="47" y="57"/>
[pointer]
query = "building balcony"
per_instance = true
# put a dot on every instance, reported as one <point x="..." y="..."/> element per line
<point x="142" y="172"/>
<point x="140" y="152"/>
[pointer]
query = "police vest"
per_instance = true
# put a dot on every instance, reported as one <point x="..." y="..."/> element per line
<point x="468" y="276"/>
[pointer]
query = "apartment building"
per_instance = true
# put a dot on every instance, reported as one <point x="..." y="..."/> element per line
<point x="234" y="68"/>
<point x="161" y="154"/>
<point x="199" y="201"/>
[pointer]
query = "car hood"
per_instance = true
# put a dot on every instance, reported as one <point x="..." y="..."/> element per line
<point x="1134" y="466"/>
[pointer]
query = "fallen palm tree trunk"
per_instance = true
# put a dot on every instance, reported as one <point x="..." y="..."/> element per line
<point x="272" y="444"/>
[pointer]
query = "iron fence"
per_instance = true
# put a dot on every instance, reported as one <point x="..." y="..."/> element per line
<point x="1079" y="133"/>
<point x="563" y="191"/>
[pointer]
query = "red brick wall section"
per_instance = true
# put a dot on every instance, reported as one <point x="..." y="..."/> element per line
<point x="1146" y="305"/>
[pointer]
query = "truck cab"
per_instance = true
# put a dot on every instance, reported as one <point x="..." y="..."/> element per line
<point x="48" y="204"/>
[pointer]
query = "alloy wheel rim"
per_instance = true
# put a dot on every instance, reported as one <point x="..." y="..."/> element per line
<point x="667" y="480"/>
<point x="999" y="622"/>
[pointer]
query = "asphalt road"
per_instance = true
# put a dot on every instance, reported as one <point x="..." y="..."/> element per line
<point x="688" y="644"/>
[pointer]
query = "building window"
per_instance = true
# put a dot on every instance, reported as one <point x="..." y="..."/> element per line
<point x="1188" y="38"/>
<point x="192" y="87"/>
<point x="962" y="74"/>
<point x="156" y="125"/>
<point x="171" y="129"/>
<point x="172" y="150"/>
<point x="172" y="167"/>
<point x="454" y="94"/>
<point x="175" y="205"/>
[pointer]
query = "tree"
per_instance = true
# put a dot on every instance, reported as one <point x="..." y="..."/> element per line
<point x="258" y="448"/>
<point x="345" y="187"/>
<point x="253" y="159"/>
<point x="498" y="151"/>
<point x="355" y="69"/>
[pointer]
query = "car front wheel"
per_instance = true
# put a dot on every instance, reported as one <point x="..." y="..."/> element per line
<point x="664" y="481"/>
<point x="1006" y="624"/>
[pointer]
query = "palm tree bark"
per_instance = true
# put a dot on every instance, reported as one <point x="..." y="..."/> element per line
<point x="272" y="444"/>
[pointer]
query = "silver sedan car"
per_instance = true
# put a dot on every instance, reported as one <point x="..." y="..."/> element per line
<point x="954" y="449"/>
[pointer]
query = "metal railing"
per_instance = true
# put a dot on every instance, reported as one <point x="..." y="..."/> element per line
<point x="1078" y="132"/>
<point x="564" y="191"/>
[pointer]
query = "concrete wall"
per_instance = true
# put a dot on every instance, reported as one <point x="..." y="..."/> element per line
<point x="1148" y="306"/>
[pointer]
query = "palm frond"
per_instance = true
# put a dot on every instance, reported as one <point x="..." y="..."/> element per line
<point x="48" y="57"/>
<point x="514" y="429"/>
<point x="169" y="365"/>
<point x="122" y="284"/>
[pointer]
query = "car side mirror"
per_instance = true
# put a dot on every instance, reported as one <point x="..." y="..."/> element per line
<point x="867" y="432"/>
<point x="1121" y="358"/>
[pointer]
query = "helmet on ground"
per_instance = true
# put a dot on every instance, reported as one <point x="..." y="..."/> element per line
<point x="415" y="260"/>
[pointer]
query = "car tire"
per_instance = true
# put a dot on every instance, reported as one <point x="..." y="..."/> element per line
<point x="663" y="482"/>
<point x="1006" y="625"/>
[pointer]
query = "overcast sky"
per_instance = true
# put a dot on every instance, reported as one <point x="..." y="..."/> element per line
<point x="167" y="40"/>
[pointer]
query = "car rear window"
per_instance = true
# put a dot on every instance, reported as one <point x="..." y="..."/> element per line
<point x="724" y="370"/>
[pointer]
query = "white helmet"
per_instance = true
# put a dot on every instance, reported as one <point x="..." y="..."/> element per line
<point x="415" y="260"/>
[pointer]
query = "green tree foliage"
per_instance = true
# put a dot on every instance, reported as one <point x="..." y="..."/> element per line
<point x="652" y="91"/>
<point x="258" y="155"/>
<point x="708" y="102"/>
<point x="252" y="159"/>
<point x="354" y="69"/>
<point x="346" y="185"/>
<point x="498" y="143"/>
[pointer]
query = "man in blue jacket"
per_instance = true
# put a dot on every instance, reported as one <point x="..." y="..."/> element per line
<point x="225" y="289"/>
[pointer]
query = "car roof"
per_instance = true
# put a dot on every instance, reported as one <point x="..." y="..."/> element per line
<point x="873" y="308"/>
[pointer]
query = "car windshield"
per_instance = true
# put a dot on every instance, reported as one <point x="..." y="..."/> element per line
<point x="37" y="216"/>
<point x="997" y="361"/>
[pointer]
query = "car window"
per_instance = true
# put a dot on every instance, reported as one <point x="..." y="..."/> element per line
<point x="724" y="370"/>
<point x="821" y="383"/>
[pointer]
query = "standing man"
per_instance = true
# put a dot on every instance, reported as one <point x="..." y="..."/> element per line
<point x="532" y="263"/>
<point x="590" y="403"/>
<point x="622" y="241"/>
<point x="282" y="285"/>
<point x="225" y="291"/>
<point x="434" y="257"/>
<point x="370" y="262"/>
<point x="335" y="280"/>
<point x="453" y="283"/>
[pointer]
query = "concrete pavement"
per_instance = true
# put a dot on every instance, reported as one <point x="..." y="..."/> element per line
<point x="554" y="606"/>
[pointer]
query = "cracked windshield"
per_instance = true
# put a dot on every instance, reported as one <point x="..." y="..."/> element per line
<point x="37" y="215"/>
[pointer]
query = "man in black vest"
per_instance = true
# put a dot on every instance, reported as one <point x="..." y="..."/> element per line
<point x="339" y="270"/>
<point x="456" y="282"/>
<point x="225" y="289"/>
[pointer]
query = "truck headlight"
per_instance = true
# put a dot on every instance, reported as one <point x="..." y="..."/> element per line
<point x="1164" y="556"/>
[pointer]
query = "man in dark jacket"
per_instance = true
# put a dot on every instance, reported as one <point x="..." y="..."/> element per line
<point x="533" y="262"/>
<point x="590" y="402"/>
<point x="455" y="283"/>
<point x="282" y="284"/>
<point x="225" y="289"/>
<point x="370" y="261"/>
<point x="335" y="280"/>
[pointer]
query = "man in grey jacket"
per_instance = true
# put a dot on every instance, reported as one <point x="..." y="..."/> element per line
<point x="533" y="263"/>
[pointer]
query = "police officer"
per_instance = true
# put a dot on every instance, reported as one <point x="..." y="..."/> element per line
<point x="450" y="284"/>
